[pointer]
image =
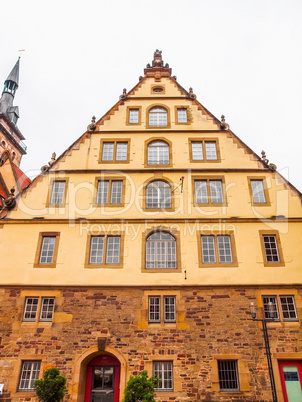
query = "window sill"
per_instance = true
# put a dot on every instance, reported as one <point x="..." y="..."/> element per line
<point x="93" y="266"/>
<point x="160" y="270"/>
<point x="45" y="265"/>
<point x="219" y="265"/>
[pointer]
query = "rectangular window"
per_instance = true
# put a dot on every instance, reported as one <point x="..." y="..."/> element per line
<point x="271" y="248"/>
<point x="197" y="151"/>
<point x="203" y="150"/>
<point x="228" y="375"/>
<point x="47" y="308"/>
<point x="182" y="116"/>
<point x="47" y="250"/>
<point x="258" y="192"/>
<point x="58" y="192"/>
<point x="288" y="308"/>
<point x="169" y="309"/>
<point x="31" y="308"/>
<point x="164" y="370"/>
<point x="216" y="246"/>
<point x="108" y="151"/>
<point x="113" y="250"/>
<point x="270" y="305"/>
<point x="96" y="250"/>
<point x="216" y="250"/>
<point x="211" y="151"/>
<point x="133" y="116"/>
<point x="114" y="151"/>
<point x="105" y="250"/>
<point x="29" y="374"/>
<point x="285" y="304"/>
<point x="208" y="192"/>
<point x="109" y="192"/>
<point x="154" y="308"/>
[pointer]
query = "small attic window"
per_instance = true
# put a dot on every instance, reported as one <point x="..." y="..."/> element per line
<point x="157" y="90"/>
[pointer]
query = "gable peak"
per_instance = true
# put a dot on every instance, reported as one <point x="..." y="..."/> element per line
<point x="158" y="69"/>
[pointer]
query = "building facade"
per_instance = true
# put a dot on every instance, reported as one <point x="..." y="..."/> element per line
<point x="142" y="247"/>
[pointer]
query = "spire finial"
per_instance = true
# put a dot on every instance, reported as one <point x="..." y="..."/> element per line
<point x="20" y="50"/>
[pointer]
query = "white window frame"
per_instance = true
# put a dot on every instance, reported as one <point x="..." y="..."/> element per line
<point x="154" y="250"/>
<point x="162" y="309"/>
<point x="161" y="150"/>
<point x="109" y="191"/>
<point x="28" y="309"/>
<point x="212" y="253"/>
<point x="169" y="309"/>
<point x="158" y="195"/>
<point x="48" y="249"/>
<point x="207" y="150"/>
<point x="109" y="250"/>
<point x="158" y="117"/>
<point x="31" y="367"/>
<point x="58" y="192"/>
<point x="114" y="154"/>
<point x="258" y="191"/>
<point x="164" y="370"/>
<point x="134" y="116"/>
<point x="270" y="244"/>
<point x="182" y="115"/>
<point x="278" y="306"/>
<point x="47" y="309"/>
<point x="154" y="307"/>
<point x="209" y="191"/>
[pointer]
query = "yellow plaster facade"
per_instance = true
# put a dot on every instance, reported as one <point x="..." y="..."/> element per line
<point x="79" y="216"/>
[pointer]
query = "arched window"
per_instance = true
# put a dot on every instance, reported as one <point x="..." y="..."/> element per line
<point x="161" y="251"/>
<point x="158" y="195"/>
<point x="158" y="117"/>
<point x="158" y="153"/>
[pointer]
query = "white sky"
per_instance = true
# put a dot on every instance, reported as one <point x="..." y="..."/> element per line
<point x="243" y="59"/>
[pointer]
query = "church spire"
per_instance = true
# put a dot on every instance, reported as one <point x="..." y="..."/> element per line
<point x="10" y="86"/>
<point x="12" y="81"/>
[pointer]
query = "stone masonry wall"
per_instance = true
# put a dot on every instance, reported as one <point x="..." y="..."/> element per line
<point x="211" y="322"/>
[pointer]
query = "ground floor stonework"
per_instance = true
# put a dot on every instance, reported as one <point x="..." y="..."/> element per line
<point x="201" y="341"/>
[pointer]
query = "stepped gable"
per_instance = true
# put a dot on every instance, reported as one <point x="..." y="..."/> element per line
<point x="158" y="71"/>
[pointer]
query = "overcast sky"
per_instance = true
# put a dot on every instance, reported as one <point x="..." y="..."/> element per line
<point x="243" y="59"/>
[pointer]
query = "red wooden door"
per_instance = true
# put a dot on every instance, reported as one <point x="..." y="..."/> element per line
<point x="103" y="379"/>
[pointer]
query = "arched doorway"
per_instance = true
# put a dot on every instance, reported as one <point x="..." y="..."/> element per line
<point x="103" y="379"/>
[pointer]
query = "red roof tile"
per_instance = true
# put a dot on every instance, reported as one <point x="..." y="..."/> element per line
<point x="2" y="192"/>
<point x="22" y="178"/>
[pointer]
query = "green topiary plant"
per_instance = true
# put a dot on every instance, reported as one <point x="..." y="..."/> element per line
<point x="52" y="387"/>
<point x="141" y="388"/>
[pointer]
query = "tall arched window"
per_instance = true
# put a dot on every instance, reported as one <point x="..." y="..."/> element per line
<point x="158" y="153"/>
<point x="158" y="117"/>
<point x="161" y="251"/>
<point x="158" y="195"/>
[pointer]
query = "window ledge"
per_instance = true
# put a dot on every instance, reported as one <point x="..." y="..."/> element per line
<point x="230" y="393"/>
